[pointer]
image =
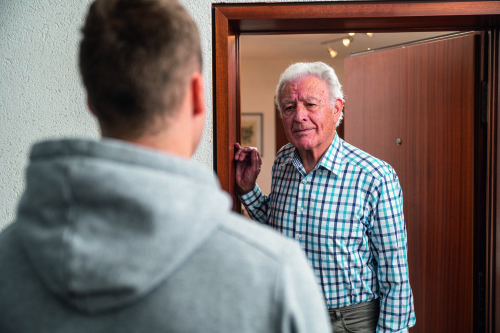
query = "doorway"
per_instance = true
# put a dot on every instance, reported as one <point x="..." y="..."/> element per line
<point x="230" y="21"/>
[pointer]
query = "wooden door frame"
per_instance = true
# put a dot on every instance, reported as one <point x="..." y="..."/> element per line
<point x="232" y="20"/>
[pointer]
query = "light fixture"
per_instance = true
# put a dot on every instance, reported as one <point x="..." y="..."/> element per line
<point x="346" y="41"/>
<point x="332" y="52"/>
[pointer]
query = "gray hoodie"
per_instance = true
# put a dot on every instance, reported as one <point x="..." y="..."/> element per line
<point x="111" y="237"/>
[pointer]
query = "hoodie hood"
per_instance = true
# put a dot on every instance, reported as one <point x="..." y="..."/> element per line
<point x="105" y="222"/>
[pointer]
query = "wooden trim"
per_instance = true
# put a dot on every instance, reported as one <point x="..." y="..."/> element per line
<point x="495" y="181"/>
<point x="493" y="188"/>
<point x="348" y="16"/>
<point x="361" y="9"/>
<point x="226" y="101"/>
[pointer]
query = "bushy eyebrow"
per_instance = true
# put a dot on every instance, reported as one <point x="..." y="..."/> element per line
<point x="307" y="99"/>
<point x="312" y="99"/>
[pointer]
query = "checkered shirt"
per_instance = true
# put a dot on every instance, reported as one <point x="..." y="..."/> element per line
<point x="347" y="214"/>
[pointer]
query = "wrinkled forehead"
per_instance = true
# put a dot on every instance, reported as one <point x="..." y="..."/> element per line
<point x="308" y="87"/>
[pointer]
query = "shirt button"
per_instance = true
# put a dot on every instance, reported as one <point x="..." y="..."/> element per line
<point x="304" y="181"/>
<point x="299" y="237"/>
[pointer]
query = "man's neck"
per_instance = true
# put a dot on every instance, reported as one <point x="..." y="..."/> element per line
<point x="310" y="159"/>
<point x="168" y="141"/>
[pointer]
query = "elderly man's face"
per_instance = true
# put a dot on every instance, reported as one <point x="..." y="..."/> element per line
<point x="308" y="118"/>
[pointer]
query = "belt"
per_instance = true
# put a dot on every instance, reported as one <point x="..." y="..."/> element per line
<point x="337" y="314"/>
<point x="352" y="307"/>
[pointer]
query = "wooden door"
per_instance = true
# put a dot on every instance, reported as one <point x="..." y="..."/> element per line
<point x="414" y="107"/>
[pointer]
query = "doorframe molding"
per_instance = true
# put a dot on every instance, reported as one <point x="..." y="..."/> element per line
<point x="229" y="21"/>
<point x="493" y="186"/>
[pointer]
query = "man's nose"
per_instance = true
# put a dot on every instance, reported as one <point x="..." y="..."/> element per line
<point x="301" y="114"/>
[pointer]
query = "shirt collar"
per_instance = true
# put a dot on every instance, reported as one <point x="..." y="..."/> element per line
<point x="288" y="158"/>
<point x="331" y="160"/>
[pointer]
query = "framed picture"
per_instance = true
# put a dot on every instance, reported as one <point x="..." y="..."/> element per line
<point x="252" y="131"/>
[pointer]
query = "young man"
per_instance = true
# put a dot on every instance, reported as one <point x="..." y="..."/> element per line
<point x="126" y="234"/>
<point x="342" y="205"/>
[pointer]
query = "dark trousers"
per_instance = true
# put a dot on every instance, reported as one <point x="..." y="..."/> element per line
<point x="362" y="317"/>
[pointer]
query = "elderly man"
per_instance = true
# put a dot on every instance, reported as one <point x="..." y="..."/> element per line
<point x="127" y="234"/>
<point x="342" y="205"/>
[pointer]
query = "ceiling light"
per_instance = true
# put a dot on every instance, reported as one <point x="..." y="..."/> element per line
<point x="332" y="52"/>
<point x="369" y="34"/>
<point x="346" y="42"/>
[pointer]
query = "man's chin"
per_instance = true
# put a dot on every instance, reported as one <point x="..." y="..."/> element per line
<point x="303" y="146"/>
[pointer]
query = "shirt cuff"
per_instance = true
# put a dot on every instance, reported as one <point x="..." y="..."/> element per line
<point x="250" y="195"/>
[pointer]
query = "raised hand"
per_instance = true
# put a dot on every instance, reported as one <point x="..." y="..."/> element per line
<point x="248" y="163"/>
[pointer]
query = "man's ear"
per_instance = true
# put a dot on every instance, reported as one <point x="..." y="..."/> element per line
<point x="339" y="106"/>
<point x="198" y="94"/>
<point x="198" y="110"/>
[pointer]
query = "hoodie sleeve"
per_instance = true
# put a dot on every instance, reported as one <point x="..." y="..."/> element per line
<point x="299" y="297"/>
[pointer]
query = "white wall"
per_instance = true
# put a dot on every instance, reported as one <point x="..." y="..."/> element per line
<point x="40" y="91"/>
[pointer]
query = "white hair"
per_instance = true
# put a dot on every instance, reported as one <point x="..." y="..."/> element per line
<point x="318" y="69"/>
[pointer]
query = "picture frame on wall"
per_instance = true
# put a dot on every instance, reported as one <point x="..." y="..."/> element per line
<point x="252" y="130"/>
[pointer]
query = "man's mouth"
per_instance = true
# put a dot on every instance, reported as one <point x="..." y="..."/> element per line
<point x="302" y="130"/>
